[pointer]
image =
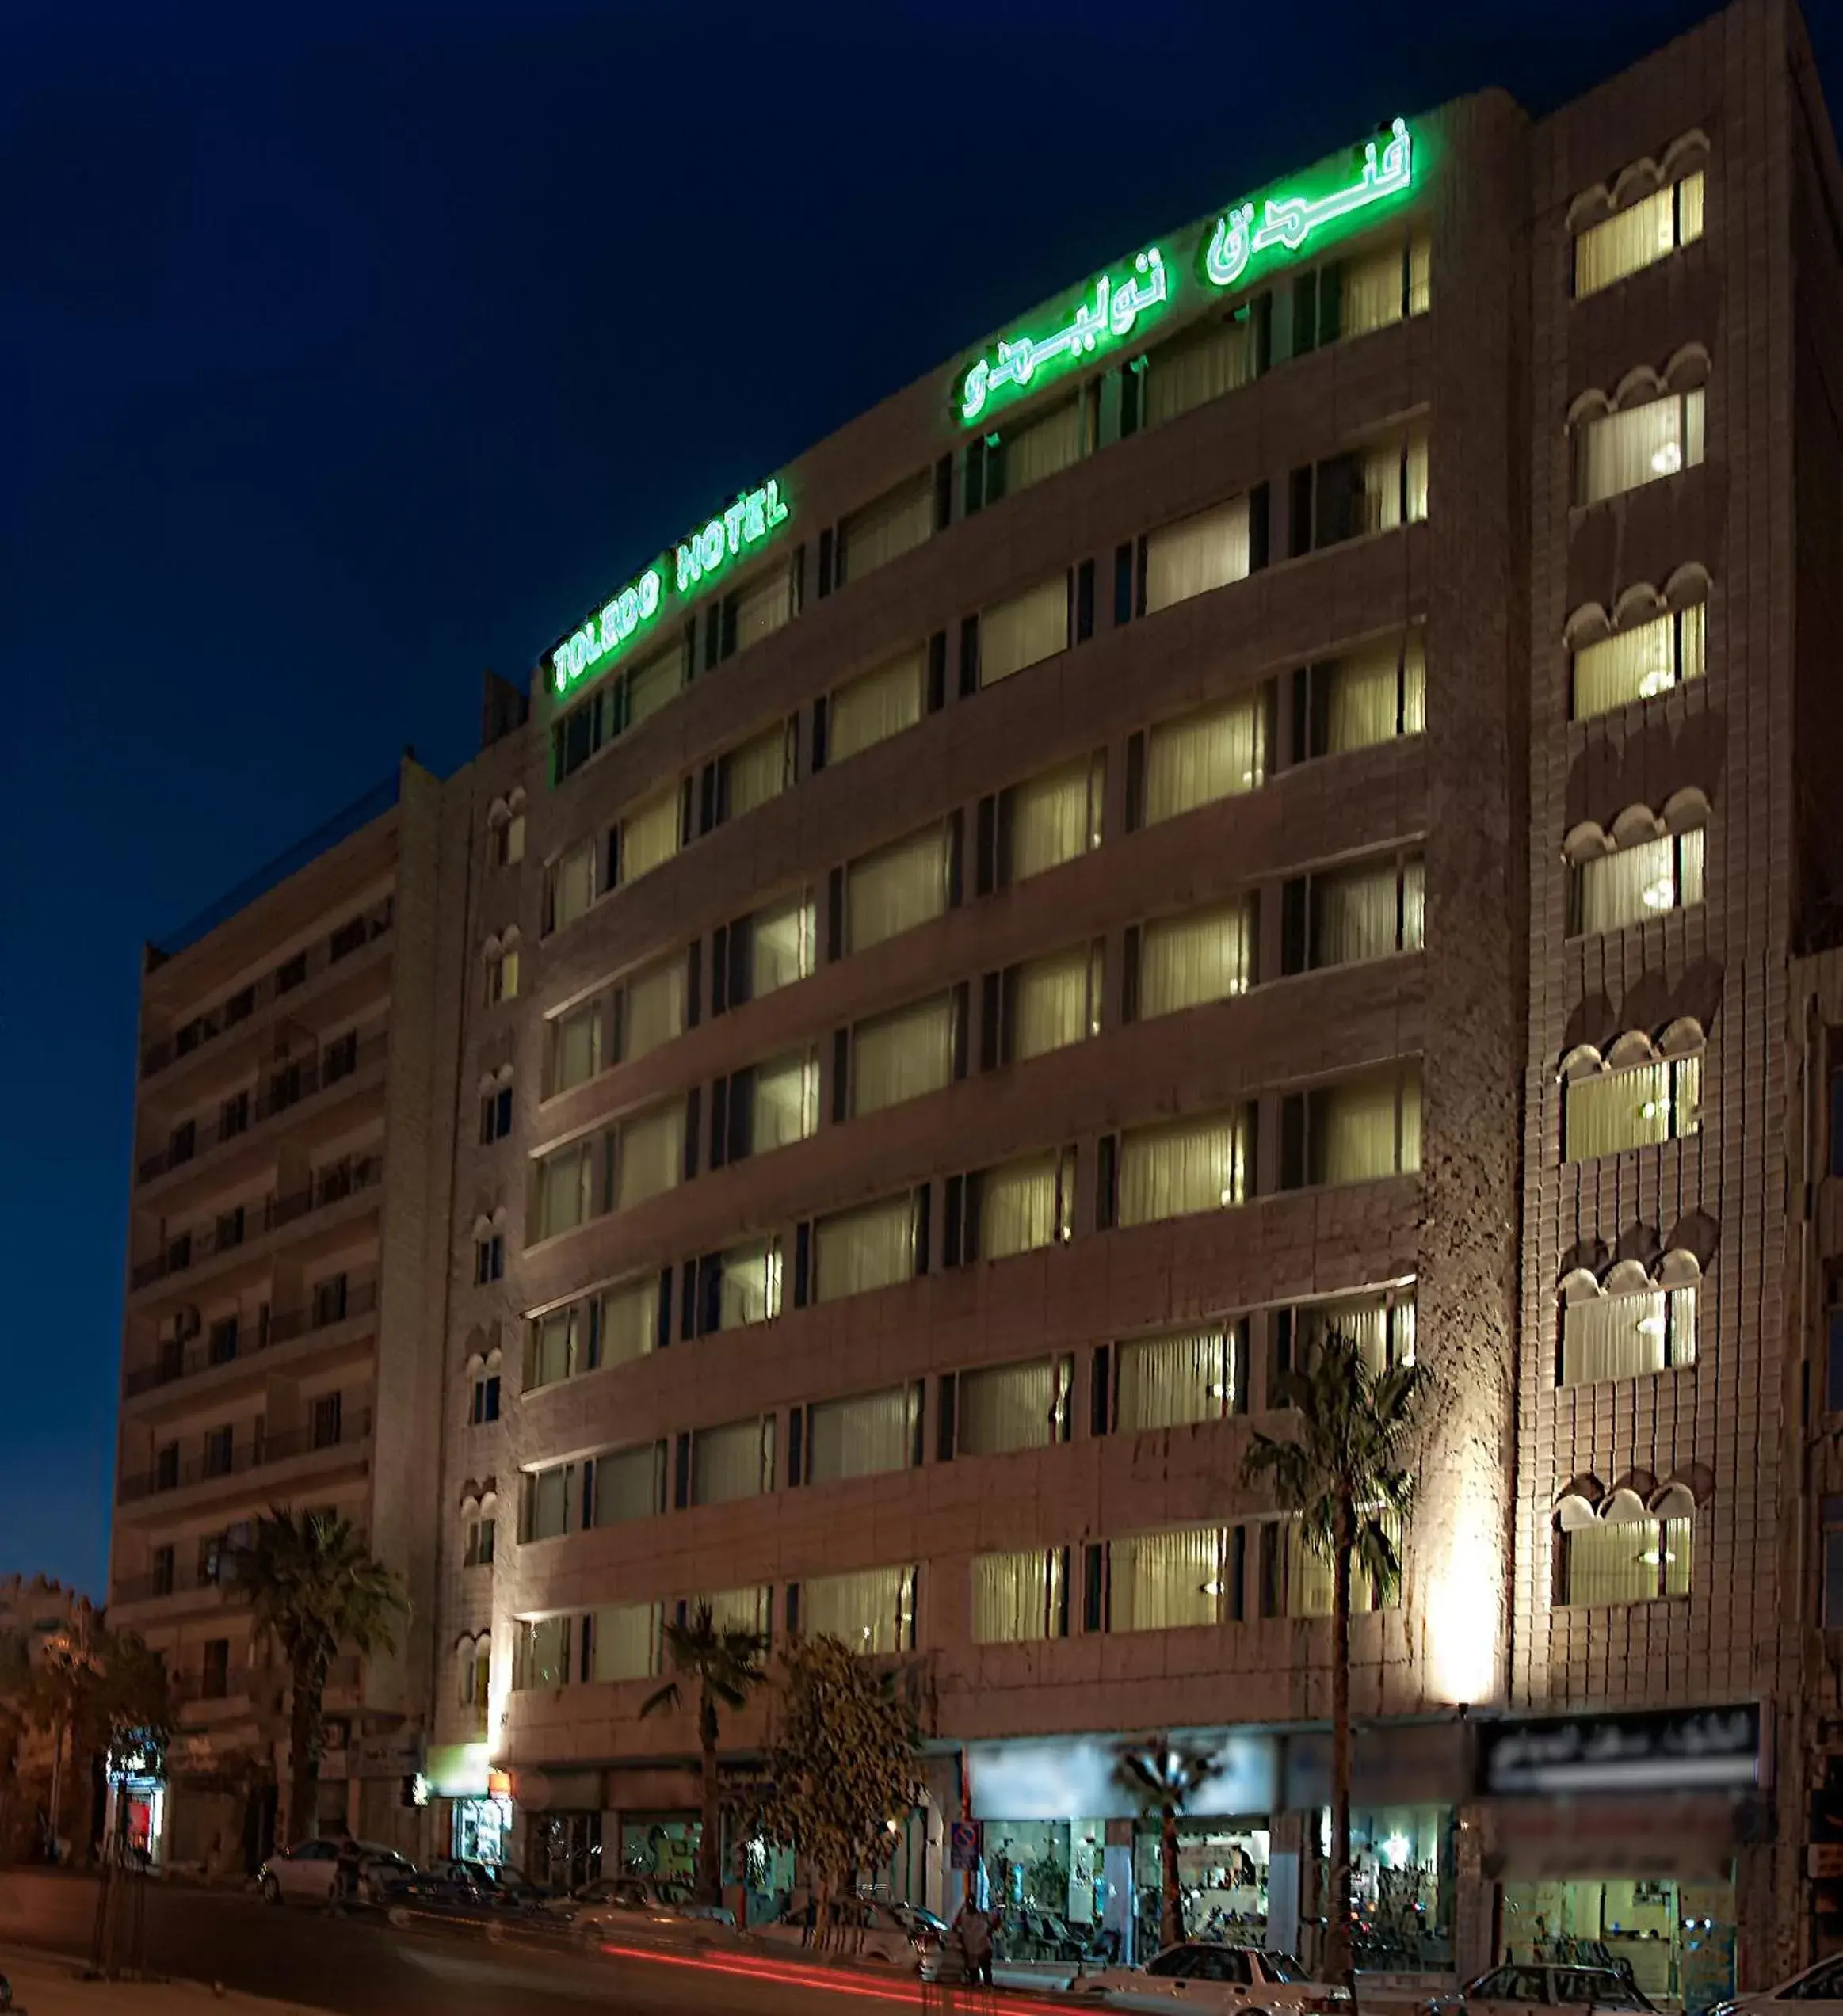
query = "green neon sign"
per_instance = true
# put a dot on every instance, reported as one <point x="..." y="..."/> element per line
<point x="1289" y="221"/>
<point x="1108" y="318"/>
<point x="703" y="554"/>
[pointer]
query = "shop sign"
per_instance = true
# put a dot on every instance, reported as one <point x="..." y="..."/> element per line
<point x="963" y="1851"/>
<point x="398" y="1754"/>
<point x="1669" y="1750"/>
<point x="1075" y="1777"/>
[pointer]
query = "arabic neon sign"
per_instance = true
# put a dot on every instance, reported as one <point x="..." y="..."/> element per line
<point x="1289" y="221"/>
<point x="698" y="559"/>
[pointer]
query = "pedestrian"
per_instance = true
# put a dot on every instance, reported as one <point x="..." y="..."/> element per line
<point x="810" y="1920"/>
<point x="345" y="1869"/>
<point x="973" y="1928"/>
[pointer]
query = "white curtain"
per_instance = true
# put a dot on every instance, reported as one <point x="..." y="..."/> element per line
<point x="566" y="1182"/>
<point x="1629" y="665"/>
<point x="655" y="1008"/>
<point x="629" y="1320"/>
<point x="1056" y="441"/>
<point x="1196" y="554"/>
<point x="1055" y="817"/>
<point x="1409" y="1150"/>
<point x="630" y="1484"/>
<point x="1621" y="450"/>
<point x="1364" y="704"/>
<point x="1641" y="881"/>
<point x="1372" y="290"/>
<point x="904" y="1054"/>
<point x="1627" y="1561"/>
<point x="624" y="1642"/>
<point x="900" y="519"/>
<point x="761" y="610"/>
<point x="1024" y="629"/>
<point x="1637" y="236"/>
<point x="896" y="888"/>
<point x="1022" y="1207"/>
<point x="876" y="705"/>
<point x="1055" y="1001"/>
<point x="1185" y="960"/>
<point x="1167" y="1382"/>
<point x="749" y="1284"/>
<point x="650" y="685"/>
<point x="1420" y="273"/>
<point x="732" y="1462"/>
<point x="1187" y="1165"/>
<point x="1355" y="1127"/>
<point x="758" y="771"/>
<point x="1689" y="192"/>
<point x="1215" y="753"/>
<point x="1607" y="1110"/>
<point x="572" y="884"/>
<point x="865" y="1436"/>
<point x="854" y="1251"/>
<point x="1165" y="1581"/>
<point x="547" y="1507"/>
<point x="1364" y="1321"/>
<point x="1613" y="1337"/>
<point x="1010" y="1406"/>
<point x="1414" y="906"/>
<point x="1381" y="470"/>
<point x="1356" y="914"/>
<point x="783" y="943"/>
<point x="873" y="1610"/>
<point x="1017" y="1598"/>
<point x="1415" y="476"/>
<point x="741" y="1609"/>
<point x="649" y="836"/>
<point x="576" y="1046"/>
<point x="786" y="1102"/>
<point x="651" y="1155"/>
<point x="1180" y="375"/>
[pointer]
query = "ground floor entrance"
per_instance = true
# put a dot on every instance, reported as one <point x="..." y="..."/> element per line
<point x="1672" y="1940"/>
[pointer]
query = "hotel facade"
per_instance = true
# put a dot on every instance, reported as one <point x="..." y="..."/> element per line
<point x="1281" y="791"/>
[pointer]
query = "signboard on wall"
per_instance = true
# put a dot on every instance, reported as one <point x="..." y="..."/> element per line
<point x="1666" y="1750"/>
<point x="963" y="1845"/>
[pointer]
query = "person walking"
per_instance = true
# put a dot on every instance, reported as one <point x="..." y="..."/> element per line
<point x="345" y="1869"/>
<point x="973" y="1928"/>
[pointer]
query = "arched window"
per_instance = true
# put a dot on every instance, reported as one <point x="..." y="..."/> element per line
<point x="1634" y="1544"/>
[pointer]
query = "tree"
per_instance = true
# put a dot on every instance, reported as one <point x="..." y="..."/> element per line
<point x="312" y="1587"/>
<point x="841" y="1769"/>
<point x="1343" y="1472"/>
<point x="724" y="1663"/>
<point x="1163" y="1778"/>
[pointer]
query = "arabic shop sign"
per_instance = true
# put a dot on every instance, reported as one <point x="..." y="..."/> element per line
<point x="1109" y="308"/>
<point x="1671" y="1751"/>
<point x="698" y="559"/>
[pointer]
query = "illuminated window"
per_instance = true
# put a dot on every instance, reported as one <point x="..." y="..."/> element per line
<point x="1225" y="354"/>
<point x="1382" y="1326"/>
<point x="1370" y="695"/>
<point x="1626" y="1331"/>
<point x="1030" y="828"/>
<point x="1639" y="235"/>
<point x="1357" y="1131"/>
<point x="749" y="777"/>
<point x="477" y="1549"/>
<point x="578" y="1042"/>
<point x="1042" y="1004"/>
<point x="1178" y="962"/>
<point x="1639" y="661"/>
<point x="1193" y="556"/>
<point x="1173" y="1381"/>
<point x="570" y="885"/>
<point x="758" y="955"/>
<point x="1627" y="1560"/>
<point x="767" y="1106"/>
<point x="1371" y="910"/>
<point x="868" y="1435"/>
<point x="483" y="1401"/>
<point x="1023" y="630"/>
<point x="1357" y="495"/>
<point x="540" y="1653"/>
<point x="1177" y="766"/>
<point x="623" y="1485"/>
<point x="565" y="1195"/>
<point x="876" y="705"/>
<point x="501" y="971"/>
<point x="1177" y="1579"/>
<point x="509" y="840"/>
<point x="1020" y="1598"/>
<point x="647" y="838"/>
<point x="1638" y="444"/>
<point x="875" y="1246"/>
<point x="735" y="1288"/>
<point x="1630" y="883"/>
<point x="882" y="531"/>
<point x="906" y="1053"/>
<point x="1296" y="1578"/>
<point x="899" y="887"/>
<point x="650" y="1007"/>
<point x="732" y="1462"/>
<point x="873" y="1610"/>
<point x="1017" y="1207"/>
<point x="622" y="1642"/>
<point x="1634" y="1106"/>
<point x="1370" y="289"/>
<point x="611" y="1326"/>
<point x="1178" y="1168"/>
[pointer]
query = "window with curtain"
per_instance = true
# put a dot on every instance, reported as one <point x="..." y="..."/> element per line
<point x="653" y="682"/>
<point x="880" y="532"/>
<point x="783" y="1102"/>
<point x="1020" y="1598"/>
<point x="540" y="1653"/>
<point x="903" y="1054"/>
<point x="566" y="1187"/>
<point x="1058" y="441"/>
<point x="1217" y="753"/>
<point x="1184" y="962"/>
<point x="1167" y="1581"/>
<point x="571" y="885"/>
<point x="749" y="1279"/>
<point x="547" y="1503"/>
<point x="649" y="836"/>
<point x="783" y="945"/>
<point x="576" y="1044"/>
<point x="630" y="1484"/>
<point x="741" y="1609"/>
<point x="1023" y="630"/>
<point x="873" y="1247"/>
<point x="1368" y="912"/>
<point x="1394" y="484"/>
<point x="896" y="888"/>
<point x="1369" y="696"/>
<point x="653" y="1007"/>
<point x="1171" y="1381"/>
<point x="650" y="1157"/>
<point x="1053" y="818"/>
<point x="1052" y="1001"/>
<point x="761" y="769"/>
<point x="1624" y="1337"/>
<point x="1372" y="290"/>
<point x="873" y="1610"/>
<point x="734" y="1461"/>
<point x="1625" y="1561"/>
<point x="1639" y="236"/>
<point x="1382" y="1327"/>
<point x="1307" y="1575"/>
<point x="761" y="609"/>
<point x="1641" y="881"/>
<point x="1221" y="357"/>
<point x="1003" y="1408"/>
<point x="1637" y="663"/>
<point x="1364" y="1128"/>
<point x="1196" y="554"/>
<point x="865" y="1436"/>
<point x="876" y="705"/>
<point x="627" y="1321"/>
<point x="623" y="1642"/>
<point x="1026" y="1205"/>
<point x="558" y="1345"/>
<point x="1639" y="1106"/>
<point x="1638" y="444"/>
<point x="1183" y="1166"/>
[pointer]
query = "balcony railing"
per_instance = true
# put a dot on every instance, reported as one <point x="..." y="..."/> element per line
<point x="187" y="1360"/>
<point x="288" y="1085"/>
<point x="353" y="1426"/>
<point x="233" y="1228"/>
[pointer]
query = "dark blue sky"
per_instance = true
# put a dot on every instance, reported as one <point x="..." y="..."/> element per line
<point x="348" y="349"/>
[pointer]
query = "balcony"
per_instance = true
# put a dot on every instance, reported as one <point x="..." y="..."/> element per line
<point x="246" y="1223"/>
<point x="260" y="1453"/>
<point x="288" y="1085"/>
<point x="186" y="1361"/>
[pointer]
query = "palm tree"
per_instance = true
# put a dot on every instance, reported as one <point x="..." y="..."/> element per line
<point x="1163" y="1777"/>
<point x="1343" y="1472"/>
<point x="312" y="1587"/>
<point x="725" y="1662"/>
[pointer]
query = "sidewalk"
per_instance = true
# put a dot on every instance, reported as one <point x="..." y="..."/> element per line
<point x="45" y="1985"/>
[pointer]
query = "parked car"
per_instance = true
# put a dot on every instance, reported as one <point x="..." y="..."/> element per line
<point x="864" y="1929"/>
<point x="492" y="1884"/>
<point x="1510" y="1990"/>
<point x="1196" y="1974"/>
<point x="308" y="1874"/>
<point x="1818" y="1990"/>
<point x="634" y="1903"/>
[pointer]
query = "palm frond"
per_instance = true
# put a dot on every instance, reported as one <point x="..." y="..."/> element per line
<point x="660" y="1699"/>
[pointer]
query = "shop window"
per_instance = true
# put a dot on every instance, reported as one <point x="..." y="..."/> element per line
<point x="1640" y="661"/>
<point x="1676" y="1936"/>
<point x="1365" y="697"/>
<point x="866" y="1435"/>
<point x="1403" y="1873"/>
<point x="1041" y="1005"/>
<point x="1019" y="1598"/>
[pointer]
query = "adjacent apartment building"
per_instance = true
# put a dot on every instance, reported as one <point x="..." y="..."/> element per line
<point x="1284" y="789"/>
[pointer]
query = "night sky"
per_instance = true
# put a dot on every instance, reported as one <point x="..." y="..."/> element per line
<point x="348" y="349"/>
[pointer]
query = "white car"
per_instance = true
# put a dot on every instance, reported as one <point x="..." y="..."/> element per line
<point x="862" y="1930"/>
<point x="1197" y="1974"/>
<point x="1819" y="1991"/>
<point x="1514" y="1988"/>
<point x="615" y="1905"/>
<point x="309" y="1873"/>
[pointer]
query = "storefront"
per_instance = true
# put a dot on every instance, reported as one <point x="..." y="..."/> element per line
<point x="134" y="1802"/>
